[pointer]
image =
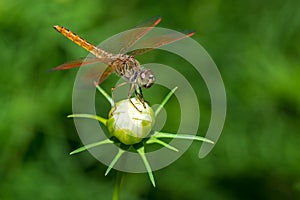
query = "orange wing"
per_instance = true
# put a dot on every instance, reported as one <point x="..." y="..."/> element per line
<point x="158" y="41"/>
<point x="95" y="74"/>
<point x="104" y="75"/>
<point x="77" y="63"/>
<point x="138" y="32"/>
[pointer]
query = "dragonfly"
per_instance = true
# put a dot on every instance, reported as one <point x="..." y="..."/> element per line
<point x="123" y="64"/>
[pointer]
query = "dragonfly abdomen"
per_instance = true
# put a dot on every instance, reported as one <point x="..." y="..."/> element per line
<point x="81" y="42"/>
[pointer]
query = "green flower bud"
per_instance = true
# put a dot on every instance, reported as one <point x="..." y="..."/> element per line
<point x="128" y="124"/>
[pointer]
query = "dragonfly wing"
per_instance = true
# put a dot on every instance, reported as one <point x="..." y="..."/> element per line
<point x="105" y="74"/>
<point x="88" y="76"/>
<point x="158" y="41"/>
<point x="150" y="22"/>
<point x="138" y="32"/>
<point x="69" y="65"/>
<point x="95" y="71"/>
<point x="79" y="63"/>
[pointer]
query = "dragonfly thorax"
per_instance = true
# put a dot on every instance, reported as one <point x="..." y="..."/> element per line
<point x="126" y="66"/>
<point x="129" y="68"/>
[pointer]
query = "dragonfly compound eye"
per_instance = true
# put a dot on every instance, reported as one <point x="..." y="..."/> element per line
<point x="146" y="78"/>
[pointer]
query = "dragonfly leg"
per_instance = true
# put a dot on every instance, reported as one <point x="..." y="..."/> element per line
<point x="129" y="97"/>
<point x="140" y="96"/>
<point x="113" y="96"/>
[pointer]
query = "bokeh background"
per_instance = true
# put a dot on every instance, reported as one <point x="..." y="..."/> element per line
<point x="255" y="44"/>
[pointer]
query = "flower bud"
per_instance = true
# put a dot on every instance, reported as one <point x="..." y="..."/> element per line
<point x="128" y="124"/>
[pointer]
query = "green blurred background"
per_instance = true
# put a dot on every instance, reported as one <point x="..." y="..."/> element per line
<point x="255" y="44"/>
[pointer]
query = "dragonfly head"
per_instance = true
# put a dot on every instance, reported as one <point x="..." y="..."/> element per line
<point x="146" y="78"/>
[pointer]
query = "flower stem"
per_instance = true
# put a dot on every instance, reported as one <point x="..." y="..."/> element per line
<point x="116" y="194"/>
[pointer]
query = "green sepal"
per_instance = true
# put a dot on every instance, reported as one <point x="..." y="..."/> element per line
<point x="155" y="140"/>
<point x="113" y="162"/>
<point x="108" y="98"/>
<point x="181" y="136"/>
<point x="86" y="147"/>
<point x="141" y="151"/>
<point x="163" y="103"/>
<point x="89" y="116"/>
